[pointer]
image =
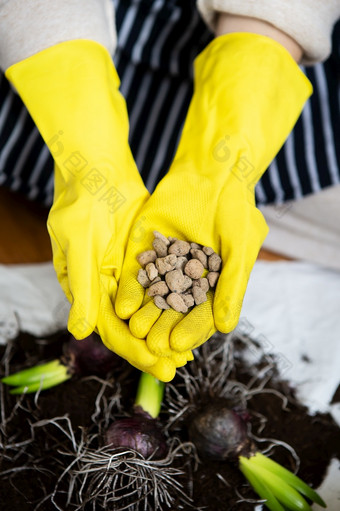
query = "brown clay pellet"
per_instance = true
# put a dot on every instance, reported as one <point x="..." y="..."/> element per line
<point x="187" y="283"/>
<point x="151" y="271"/>
<point x="202" y="283"/>
<point x="149" y="256"/>
<point x="160" y="247"/>
<point x="214" y="262"/>
<point x="199" y="295"/>
<point x="208" y="251"/>
<point x="161" y="236"/>
<point x="165" y="264"/>
<point x="173" y="279"/>
<point x="161" y="302"/>
<point x="200" y="255"/>
<point x="195" y="245"/>
<point x="188" y="299"/>
<point x="143" y="278"/>
<point x="212" y="277"/>
<point x="194" y="269"/>
<point x="177" y="282"/>
<point x="160" y="288"/>
<point x="179" y="248"/>
<point x="176" y="302"/>
<point x="181" y="262"/>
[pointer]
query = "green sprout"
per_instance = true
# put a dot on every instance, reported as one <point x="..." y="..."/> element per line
<point x="88" y="356"/>
<point x="149" y="394"/>
<point x="36" y="378"/>
<point x="281" y="489"/>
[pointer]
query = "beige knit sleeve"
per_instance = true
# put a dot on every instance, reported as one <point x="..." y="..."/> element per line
<point x="308" y="22"/>
<point x="29" y="26"/>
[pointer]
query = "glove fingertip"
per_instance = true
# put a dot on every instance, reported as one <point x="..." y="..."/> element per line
<point x="158" y="339"/>
<point x="135" y="328"/>
<point x="158" y="349"/>
<point x="179" y="359"/>
<point x="228" y="302"/>
<point x="79" y="329"/>
<point x="130" y="294"/>
<point x="164" y="370"/>
<point x="226" y="319"/>
<point x="80" y="324"/>
<point x="194" y="329"/>
<point x="125" y="307"/>
<point x="189" y="355"/>
<point x="142" y="321"/>
<point x="169" y="377"/>
<point x="179" y="344"/>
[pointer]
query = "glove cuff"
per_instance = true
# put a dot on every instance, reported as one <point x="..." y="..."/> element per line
<point x="71" y="92"/>
<point x="248" y="94"/>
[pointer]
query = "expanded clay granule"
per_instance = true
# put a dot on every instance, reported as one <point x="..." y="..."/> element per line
<point x="178" y="274"/>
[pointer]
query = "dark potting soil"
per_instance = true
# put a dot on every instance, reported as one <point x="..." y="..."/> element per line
<point x="38" y="433"/>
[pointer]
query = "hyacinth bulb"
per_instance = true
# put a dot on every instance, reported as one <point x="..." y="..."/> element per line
<point x="86" y="357"/>
<point x="219" y="433"/>
<point x="89" y="356"/>
<point x="140" y="432"/>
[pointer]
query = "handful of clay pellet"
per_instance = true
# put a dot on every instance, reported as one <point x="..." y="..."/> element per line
<point x="178" y="274"/>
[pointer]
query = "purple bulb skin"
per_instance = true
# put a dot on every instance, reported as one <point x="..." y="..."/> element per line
<point x="219" y="433"/>
<point x="140" y="433"/>
<point x="89" y="356"/>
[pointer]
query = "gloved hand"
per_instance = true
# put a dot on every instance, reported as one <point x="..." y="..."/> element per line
<point x="248" y="93"/>
<point x="71" y="91"/>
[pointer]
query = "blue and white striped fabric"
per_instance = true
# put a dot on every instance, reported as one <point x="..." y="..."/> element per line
<point x="157" y="43"/>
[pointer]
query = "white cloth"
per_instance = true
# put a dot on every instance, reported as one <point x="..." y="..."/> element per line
<point x="292" y="309"/>
<point x="330" y="487"/>
<point x="31" y="300"/>
<point x="307" y="229"/>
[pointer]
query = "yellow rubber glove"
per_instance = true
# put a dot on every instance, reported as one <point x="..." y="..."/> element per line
<point x="71" y="92"/>
<point x="248" y="93"/>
